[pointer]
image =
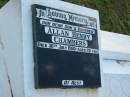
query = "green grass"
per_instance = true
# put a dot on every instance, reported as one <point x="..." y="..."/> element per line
<point x="114" y="14"/>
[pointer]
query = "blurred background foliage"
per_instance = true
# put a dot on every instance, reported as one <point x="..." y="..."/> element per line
<point x="2" y="2"/>
<point x="114" y="14"/>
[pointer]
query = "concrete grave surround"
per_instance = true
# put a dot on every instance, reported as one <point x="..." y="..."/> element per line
<point x="16" y="55"/>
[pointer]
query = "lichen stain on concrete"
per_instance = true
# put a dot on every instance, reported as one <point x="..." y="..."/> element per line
<point x="86" y="92"/>
<point x="1" y="43"/>
<point x="93" y="92"/>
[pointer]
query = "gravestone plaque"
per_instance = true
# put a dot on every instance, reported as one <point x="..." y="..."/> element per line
<point x="66" y="49"/>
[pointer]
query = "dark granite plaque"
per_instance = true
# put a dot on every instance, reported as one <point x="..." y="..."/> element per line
<point x="66" y="51"/>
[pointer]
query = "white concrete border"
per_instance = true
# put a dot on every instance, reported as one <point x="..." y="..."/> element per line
<point x="16" y="33"/>
<point x="115" y="46"/>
